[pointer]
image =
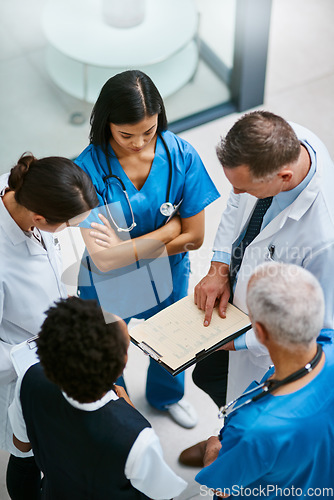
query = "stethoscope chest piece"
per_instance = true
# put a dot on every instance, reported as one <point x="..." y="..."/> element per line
<point x="167" y="209"/>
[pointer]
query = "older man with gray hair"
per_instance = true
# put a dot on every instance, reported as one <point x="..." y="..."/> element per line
<point x="278" y="438"/>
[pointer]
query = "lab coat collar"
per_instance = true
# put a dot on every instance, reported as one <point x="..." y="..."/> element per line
<point x="297" y="210"/>
<point x="294" y="211"/>
<point x="13" y="232"/>
<point x="250" y="204"/>
<point x="286" y="198"/>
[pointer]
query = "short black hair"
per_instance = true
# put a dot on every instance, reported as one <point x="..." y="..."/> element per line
<point x="79" y="351"/>
<point x="126" y="98"/>
<point x="54" y="187"/>
<point x="263" y="141"/>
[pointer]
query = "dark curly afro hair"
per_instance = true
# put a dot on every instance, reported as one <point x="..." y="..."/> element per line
<point x="79" y="351"/>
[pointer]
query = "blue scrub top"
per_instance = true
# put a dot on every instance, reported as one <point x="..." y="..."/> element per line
<point x="190" y="183"/>
<point x="279" y="442"/>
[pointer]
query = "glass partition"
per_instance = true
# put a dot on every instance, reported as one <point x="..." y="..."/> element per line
<point x="210" y="85"/>
<point x="232" y="42"/>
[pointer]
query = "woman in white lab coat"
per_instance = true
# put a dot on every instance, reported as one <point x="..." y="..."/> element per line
<point x="37" y="198"/>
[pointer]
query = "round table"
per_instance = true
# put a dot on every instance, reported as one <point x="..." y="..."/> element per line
<point x="84" y="52"/>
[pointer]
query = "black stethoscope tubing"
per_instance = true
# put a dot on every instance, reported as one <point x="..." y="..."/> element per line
<point x="270" y="385"/>
<point x="170" y="166"/>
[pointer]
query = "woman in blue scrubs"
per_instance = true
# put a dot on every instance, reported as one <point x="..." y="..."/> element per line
<point x="142" y="173"/>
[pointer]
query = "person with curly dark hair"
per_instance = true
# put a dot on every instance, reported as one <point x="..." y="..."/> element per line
<point x="88" y="439"/>
<point x="85" y="358"/>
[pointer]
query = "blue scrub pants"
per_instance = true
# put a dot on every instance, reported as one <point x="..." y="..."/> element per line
<point x="161" y="387"/>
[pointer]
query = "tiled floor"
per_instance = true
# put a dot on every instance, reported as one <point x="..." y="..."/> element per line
<point x="300" y="87"/>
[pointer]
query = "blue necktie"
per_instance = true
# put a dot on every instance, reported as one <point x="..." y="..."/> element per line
<point x="252" y="231"/>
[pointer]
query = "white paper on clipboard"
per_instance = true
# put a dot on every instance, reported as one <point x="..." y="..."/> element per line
<point x="176" y="337"/>
<point x="24" y="355"/>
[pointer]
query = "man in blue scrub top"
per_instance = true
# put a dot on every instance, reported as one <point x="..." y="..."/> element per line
<point x="283" y="443"/>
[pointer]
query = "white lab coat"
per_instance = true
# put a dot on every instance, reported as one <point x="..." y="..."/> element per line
<point x="29" y="285"/>
<point x="302" y="234"/>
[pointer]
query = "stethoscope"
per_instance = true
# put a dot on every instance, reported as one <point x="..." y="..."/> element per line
<point x="167" y="208"/>
<point x="269" y="386"/>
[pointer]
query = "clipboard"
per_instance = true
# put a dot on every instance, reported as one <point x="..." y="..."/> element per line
<point x="176" y="338"/>
<point x="24" y="355"/>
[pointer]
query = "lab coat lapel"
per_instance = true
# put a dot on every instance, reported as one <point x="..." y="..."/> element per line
<point x="244" y="217"/>
<point x="249" y="207"/>
<point x="34" y="247"/>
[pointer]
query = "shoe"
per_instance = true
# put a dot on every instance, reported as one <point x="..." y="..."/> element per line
<point x="183" y="414"/>
<point x="193" y="456"/>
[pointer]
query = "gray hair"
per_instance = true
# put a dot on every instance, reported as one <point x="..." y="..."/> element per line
<point x="288" y="301"/>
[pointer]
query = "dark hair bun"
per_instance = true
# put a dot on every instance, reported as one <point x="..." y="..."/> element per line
<point x="18" y="173"/>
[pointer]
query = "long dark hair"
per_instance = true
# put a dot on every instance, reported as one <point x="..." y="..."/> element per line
<point x="126" y="98"/>
<point x="53" y="187"/>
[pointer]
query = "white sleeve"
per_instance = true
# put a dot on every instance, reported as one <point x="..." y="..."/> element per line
<point x="7" y="371"/>
<point x="16" y="416"/>
<point x="225" y="232"/>
<point x="148" y="472"/>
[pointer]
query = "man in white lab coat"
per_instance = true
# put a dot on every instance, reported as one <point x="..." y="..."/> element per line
<point x="287" y="166"/>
